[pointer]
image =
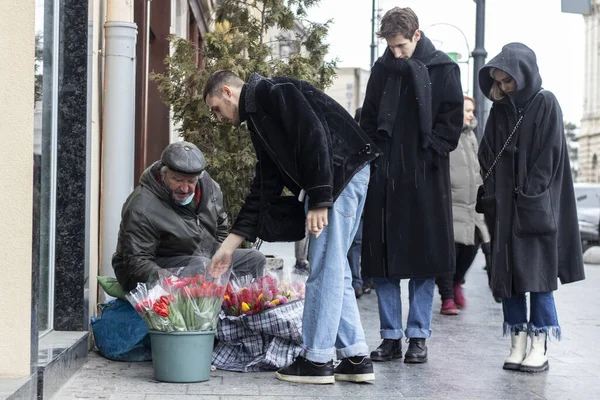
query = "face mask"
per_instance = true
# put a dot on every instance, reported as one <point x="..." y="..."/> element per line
<point x="188" y="200"/>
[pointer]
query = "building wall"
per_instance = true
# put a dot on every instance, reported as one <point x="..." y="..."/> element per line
<point x="16" y="162"/>
<point x="589" y="155"/>
<point x="349" y="88"/>
<point x="589" y="136"/>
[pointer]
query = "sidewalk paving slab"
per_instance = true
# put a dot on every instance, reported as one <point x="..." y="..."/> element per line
<point x="466" y="353"/>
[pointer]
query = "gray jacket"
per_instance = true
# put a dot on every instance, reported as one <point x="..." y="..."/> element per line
<point x="153" y="226"/>
<point x="465" y="179"/>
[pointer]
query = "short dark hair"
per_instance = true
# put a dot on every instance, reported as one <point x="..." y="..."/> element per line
<point x="219" y="79"/>
<point x="399" y="21"/>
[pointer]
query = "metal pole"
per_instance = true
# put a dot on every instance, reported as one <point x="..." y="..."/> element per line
<point x="373" y="45"/>
<point x="479" y="55"/>
<point x="118" y="133"/>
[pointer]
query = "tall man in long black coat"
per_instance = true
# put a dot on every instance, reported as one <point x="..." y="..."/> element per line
<point x="413" y="111"/>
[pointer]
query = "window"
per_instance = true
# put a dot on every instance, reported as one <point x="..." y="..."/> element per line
<point x="44" y="152"/>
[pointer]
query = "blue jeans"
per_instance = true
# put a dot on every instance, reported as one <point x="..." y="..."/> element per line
<point x="331" y="319"/>
<point x="420" y="297"/>
<point x="354" y="257"/>
<point x="542" y="316"/>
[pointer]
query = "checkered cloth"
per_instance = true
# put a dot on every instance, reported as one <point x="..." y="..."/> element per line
<point x="260" y="342"/>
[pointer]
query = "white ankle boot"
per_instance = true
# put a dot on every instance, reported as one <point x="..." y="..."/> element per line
<point x="537" y="359"/>
<point x="518" y="350"/>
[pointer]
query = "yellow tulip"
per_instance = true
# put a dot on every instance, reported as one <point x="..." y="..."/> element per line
<point x="245" y="307"/>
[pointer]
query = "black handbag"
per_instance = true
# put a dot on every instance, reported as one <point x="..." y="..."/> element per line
<point x="282" y="219"/>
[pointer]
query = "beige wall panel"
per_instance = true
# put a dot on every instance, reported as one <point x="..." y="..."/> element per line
<point x="16" y="180"/>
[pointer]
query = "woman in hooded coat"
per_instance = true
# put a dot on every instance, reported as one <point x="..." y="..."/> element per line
<point x="528" y="202"/>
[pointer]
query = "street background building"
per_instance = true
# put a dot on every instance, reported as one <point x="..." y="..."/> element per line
<point x="349" y="87"/>
<point x="589" y="134"/>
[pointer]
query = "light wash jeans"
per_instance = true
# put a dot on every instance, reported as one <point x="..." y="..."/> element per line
<point x="542" y="315"/>
<point x="331" y="319"/>
<point x="420" y="297"/>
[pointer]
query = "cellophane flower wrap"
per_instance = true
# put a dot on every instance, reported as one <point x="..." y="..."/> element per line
<point x="198" y="300"/>
<point x="156" y="306"/>
<point x="175" y="303"/>
<point x="246" y="295"/>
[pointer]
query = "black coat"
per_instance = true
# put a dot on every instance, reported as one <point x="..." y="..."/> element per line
<point x="408" y="231"/>
<point x="529" y="200"/>
<point x="304" y="140"/>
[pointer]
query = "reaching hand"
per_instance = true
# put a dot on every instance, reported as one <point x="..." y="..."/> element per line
<point x="220" y="262"/>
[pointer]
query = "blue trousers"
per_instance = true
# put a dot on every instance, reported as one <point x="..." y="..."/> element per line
<point x="420" y="297"/>
<point x="542" y="314"/>
<point x="331" y="320"/>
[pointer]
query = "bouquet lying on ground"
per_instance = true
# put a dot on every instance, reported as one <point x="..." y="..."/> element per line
<point x="246" y="295"/>
<point x="179" y="304"/>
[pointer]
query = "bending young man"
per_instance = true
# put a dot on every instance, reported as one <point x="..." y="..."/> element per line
<point x="308" y="143"/>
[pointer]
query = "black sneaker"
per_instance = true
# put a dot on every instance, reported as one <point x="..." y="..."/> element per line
<point x="306" y="371"/>
<point x="355" y="369"/>
<point x="302" y="268"/>
<point x="367" y="285"/>
<point x="417" y="351"/>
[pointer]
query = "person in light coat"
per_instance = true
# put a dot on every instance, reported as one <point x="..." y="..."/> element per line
<point x="469" y="226"/>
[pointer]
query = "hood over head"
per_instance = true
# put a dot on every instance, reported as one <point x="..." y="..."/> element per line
<point x="520" y="62"/>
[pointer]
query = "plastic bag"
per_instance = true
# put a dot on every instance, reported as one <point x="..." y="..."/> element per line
<point x="265" y="341"/>
<point x="120" y="333"/>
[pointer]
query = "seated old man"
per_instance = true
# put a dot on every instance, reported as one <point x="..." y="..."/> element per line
<point x="175" y="219"/>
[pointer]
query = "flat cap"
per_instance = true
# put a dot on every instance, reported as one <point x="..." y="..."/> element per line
<point x="184" y="157"/>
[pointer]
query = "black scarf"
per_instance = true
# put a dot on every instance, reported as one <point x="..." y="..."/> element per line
<point x="415" y="69"/>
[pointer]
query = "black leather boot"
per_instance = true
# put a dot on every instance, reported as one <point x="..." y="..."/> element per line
<point x="417" y="351"/>
<point x="387" y="350"/>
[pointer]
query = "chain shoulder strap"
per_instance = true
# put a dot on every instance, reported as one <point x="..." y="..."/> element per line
<point x="489" y="172"/>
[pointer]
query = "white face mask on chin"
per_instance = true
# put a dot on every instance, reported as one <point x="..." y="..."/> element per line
<point x="187" y="201"/>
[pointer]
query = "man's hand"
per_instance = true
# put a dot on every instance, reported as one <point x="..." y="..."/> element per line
<point x="221" y="261"/>
<point x="316" y="220"/>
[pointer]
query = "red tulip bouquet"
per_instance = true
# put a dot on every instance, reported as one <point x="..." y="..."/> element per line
<point x="246" y="296"/>
<point x="179" y="303"/>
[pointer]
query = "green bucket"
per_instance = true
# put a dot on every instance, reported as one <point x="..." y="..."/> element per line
<point x="182" y="356"/>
